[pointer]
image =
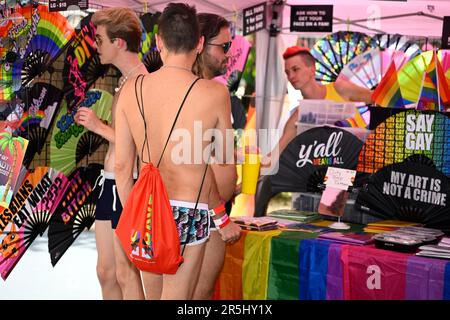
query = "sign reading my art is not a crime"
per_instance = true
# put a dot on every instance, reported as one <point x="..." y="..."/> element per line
<point x="254" y="18"/>
<point x="316" y="18"/>
<point x="63" y="5"/>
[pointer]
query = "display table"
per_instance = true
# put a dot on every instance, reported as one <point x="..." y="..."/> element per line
<point x="295" y="265"/>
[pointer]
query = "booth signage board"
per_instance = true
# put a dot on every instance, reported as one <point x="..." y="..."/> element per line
<point x="63" y="5"/>
<point x="254" y="18"/>
<point x="446" y="33"/>
<point x="312" y="18"/>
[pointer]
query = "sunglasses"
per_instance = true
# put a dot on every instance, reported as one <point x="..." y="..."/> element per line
<point x="225" y="46"/>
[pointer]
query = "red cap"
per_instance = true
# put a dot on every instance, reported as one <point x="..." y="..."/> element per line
<point x="292" y="51"/>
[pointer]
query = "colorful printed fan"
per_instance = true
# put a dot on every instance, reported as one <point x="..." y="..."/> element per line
<point x="82" y="65"/>
<point x="368" y="68"/>
<point x="41" y="104"/>
<point x="12" y="151"/>
<point x="34" y="206"/>
<point x="410" y="77"/>
<point x="404" y="134"/>
<point x="48" y="34"/>
<point x="14" y="42"/>
<point x="408" y="191"/>
<point x="336" y="50"/>
<point x="71" y="142"/>
<point x="149" y="54"/>
<point x="304" y="162"/>
<point x="75" y="212"/>
<point x="396" y="42"/>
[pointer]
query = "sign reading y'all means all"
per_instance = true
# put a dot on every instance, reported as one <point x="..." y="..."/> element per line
<point x="254" y="18"/>
<point x="318" y="18"/>
<point x="63" y="5"/>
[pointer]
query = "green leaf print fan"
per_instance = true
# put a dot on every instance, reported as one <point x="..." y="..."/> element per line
<point x="71" y="142"/>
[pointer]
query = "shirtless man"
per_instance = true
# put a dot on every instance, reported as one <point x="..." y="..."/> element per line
<point x="299" y="65"/>
<point x="118" y="36"/>
<point x="212" y="62"/>
<point x="179" y="42"/>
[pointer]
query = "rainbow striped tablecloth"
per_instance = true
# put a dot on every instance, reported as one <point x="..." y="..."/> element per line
<point x="295" y="265"/>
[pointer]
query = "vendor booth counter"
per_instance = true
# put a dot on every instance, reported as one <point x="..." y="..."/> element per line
<point x="297" y="266"/>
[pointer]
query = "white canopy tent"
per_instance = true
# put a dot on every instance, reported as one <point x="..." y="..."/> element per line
<point x="424" y="24"/>
<point x="412" y="17"/>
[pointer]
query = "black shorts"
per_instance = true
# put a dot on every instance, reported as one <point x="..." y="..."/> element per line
<point x="108" y="204"/>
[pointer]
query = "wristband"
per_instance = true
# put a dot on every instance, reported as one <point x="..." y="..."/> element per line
<point x="222" y="222"/>
<point x="219" y="209"/>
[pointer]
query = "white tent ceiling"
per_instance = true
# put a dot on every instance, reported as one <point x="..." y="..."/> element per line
<point x="361" y="10"/>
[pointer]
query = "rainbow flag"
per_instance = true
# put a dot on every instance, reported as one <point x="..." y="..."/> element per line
<point x="387" y="93"/>
<point x="429" y="96"/>
<point x="443" y="86"/>
<point x="435" y="93"/>
<point x="361" y="119"/>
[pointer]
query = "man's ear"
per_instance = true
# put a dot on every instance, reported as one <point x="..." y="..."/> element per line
<point x="159" y="43"/>
<point x="200" y="45"/>
<point x="312" y="71"/>
<point x="120" y="43"/>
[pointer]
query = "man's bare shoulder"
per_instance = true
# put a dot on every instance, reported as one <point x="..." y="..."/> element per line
<point x="214" y="89"/>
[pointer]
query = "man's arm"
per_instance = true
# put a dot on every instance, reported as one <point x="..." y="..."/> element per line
<point x="353" y="92"/>
<point x="224" y="140"/>
<point x="125" y="152"/>
<point x="289" y="133"/>
<point x="87" y="118"/>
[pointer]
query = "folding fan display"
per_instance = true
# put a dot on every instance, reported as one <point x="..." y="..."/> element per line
<point x="334" y="51"/>
<point x="47" y="35"/>
<point x="404" y="134"/>
<point x="367" y="69"/>
<point x="75" y="212"/>
<point x="29" y="222"/>
<point x="408" y="191"/>
<point x="82" y="65"/>
<point x="41" y="103"/>
<point x="149" y="54"/>
<point x="70" y="142"/>
<point x="410" y="77"/>
<point x="396" y="42"/>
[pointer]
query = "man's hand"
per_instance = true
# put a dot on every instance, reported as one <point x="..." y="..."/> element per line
<point x="230" y="233"/>
<point x="87" y="118"/>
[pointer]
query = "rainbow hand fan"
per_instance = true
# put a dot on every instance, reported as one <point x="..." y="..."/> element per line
<point x="71" y="142"/>
<point x="41" y="103"/>
<point x="407" y="133"/>
<point x="368" y="68"/>
<point x="47" y="37"/>
<point x="410" y="77"/>
<point x="397" y="42"/>
<point x="334" y="51"/>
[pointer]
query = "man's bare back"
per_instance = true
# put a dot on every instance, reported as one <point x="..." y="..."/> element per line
<point x="163" y="92"/>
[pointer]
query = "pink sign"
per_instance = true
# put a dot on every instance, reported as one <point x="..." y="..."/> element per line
<point x="237" y="58"/>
